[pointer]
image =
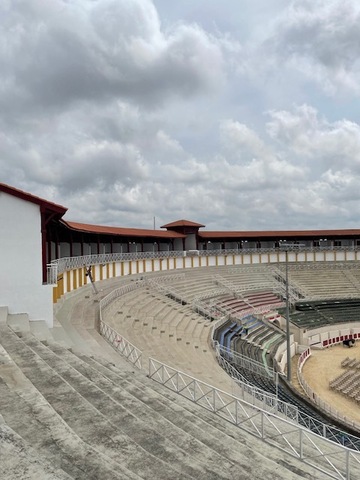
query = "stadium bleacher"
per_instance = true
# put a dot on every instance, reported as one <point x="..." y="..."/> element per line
<point x="87" y="414"/>
<point x="318" y="313"/>
<point x="70" y="415"/>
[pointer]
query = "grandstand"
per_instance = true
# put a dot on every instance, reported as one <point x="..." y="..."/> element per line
<point x="69" y="413"/>
<point x="168" y="362"/>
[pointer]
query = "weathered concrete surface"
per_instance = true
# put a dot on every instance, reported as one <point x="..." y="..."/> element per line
<point x="72" y="415"/>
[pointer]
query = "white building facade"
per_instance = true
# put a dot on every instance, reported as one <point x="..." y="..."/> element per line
<point x="23" y="283"/>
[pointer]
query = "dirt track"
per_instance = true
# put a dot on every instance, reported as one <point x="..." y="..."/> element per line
<point x="322" y="367"/>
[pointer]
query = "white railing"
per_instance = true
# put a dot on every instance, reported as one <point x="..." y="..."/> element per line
<point x="208" y="310"/>
<point x="52" y="274"/>
<point x="315" y="425"/>
<point x="161" y="285"/>
<point x="259" y="397"/>
<point x="118" y="292"/>
<point x="117" y="341"/>
<point x="71" y="263"/>
<point x="331" y="458"/>
<point x="121" y="345"/>
<point x="242" y="361"/>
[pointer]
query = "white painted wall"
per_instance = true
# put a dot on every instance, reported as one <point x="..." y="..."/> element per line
<point x="21" y="288"/>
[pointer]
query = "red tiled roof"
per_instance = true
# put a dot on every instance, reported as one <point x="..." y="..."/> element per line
<point x="280" y="233"/>
<point x="182" y="223"/>
<point x="129" y="232"/>
<point x="28" y="197"/>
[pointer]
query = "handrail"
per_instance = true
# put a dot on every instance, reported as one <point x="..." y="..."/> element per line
<point x="70" y="263"/>
<point x="134" y="355"/>
<point x="303" y="419"/>
<point x="117" y="341"/>
<point x="121" y="345"/>
<point x="333" y="459"/>
<point x="243" y="361"/>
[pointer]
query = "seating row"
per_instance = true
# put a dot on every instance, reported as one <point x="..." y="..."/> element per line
<point x="67" y="415"/>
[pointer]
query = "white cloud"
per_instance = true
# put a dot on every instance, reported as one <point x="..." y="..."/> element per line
<point x="316" y="138"/>
<point x="322" y="41"/>
<point x="71" y="52"/>
<point x="121" y="112"/>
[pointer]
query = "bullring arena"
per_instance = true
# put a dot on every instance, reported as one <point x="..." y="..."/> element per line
<point x="165" y="352"/>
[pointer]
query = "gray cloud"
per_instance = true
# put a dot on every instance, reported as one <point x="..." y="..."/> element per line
<point x="122" y="111"/>
<point x="62" y="53"/>
<point x="322" y="40"/>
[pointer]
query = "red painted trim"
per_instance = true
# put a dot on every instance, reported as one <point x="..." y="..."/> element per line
<point x="54" y="207"/>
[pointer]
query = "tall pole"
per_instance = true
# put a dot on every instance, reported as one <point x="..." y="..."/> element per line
<point x="288" y="352"/>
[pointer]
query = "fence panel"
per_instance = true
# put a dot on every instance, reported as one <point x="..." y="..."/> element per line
<point x="333" y="459"/>
<point x="121" y="345"/>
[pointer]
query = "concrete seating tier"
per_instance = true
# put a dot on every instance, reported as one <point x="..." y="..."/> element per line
<point x="262" y="299"/>
<point x="250" y="339"/>
<point x="312" y="314"/>
<point x="19" y="460"/>
<point x="231" y="305"/>
<point x="67" y="415"/>
<point x="168" y="331"/>
<point x="327" y="282"/>
<point x="200" y="281"/>
<point x="193" y="285"/>
<point x="137" y="429"/>
<point x="250" y="279"/>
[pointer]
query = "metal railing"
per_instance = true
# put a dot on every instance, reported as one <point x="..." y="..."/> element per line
<point x="257" y="399"/>
<point x="331" y="458"/>
<point x="264" y="399"/>
<point x="121" y="345"/>
<point x="116" y="340"/>
<point x="161" y="285"/>
<point x="70" y="263"/>
<point x="242" y="361"/>
<point x="52" y="274"/>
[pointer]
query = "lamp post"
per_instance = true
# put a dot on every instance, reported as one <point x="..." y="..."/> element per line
<point x="286" y="247"/>
<point x="288" y="346"/>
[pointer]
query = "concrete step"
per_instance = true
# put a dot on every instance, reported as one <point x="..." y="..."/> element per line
<point x="28" y="413"/>
<point x="233" y="444"/>
<point x="60" y="335"/>
<point x="85" y="410"/>
<point x="19" y="322"/>
<point x="193" y="455"/>
<point x="40" y="330"/>
<point x="21" y="461"/>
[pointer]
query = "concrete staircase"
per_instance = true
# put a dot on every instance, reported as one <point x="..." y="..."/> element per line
<point x="69" y="415"/>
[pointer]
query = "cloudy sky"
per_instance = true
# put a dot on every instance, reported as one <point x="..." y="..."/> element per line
<point x="237" y="114"/>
